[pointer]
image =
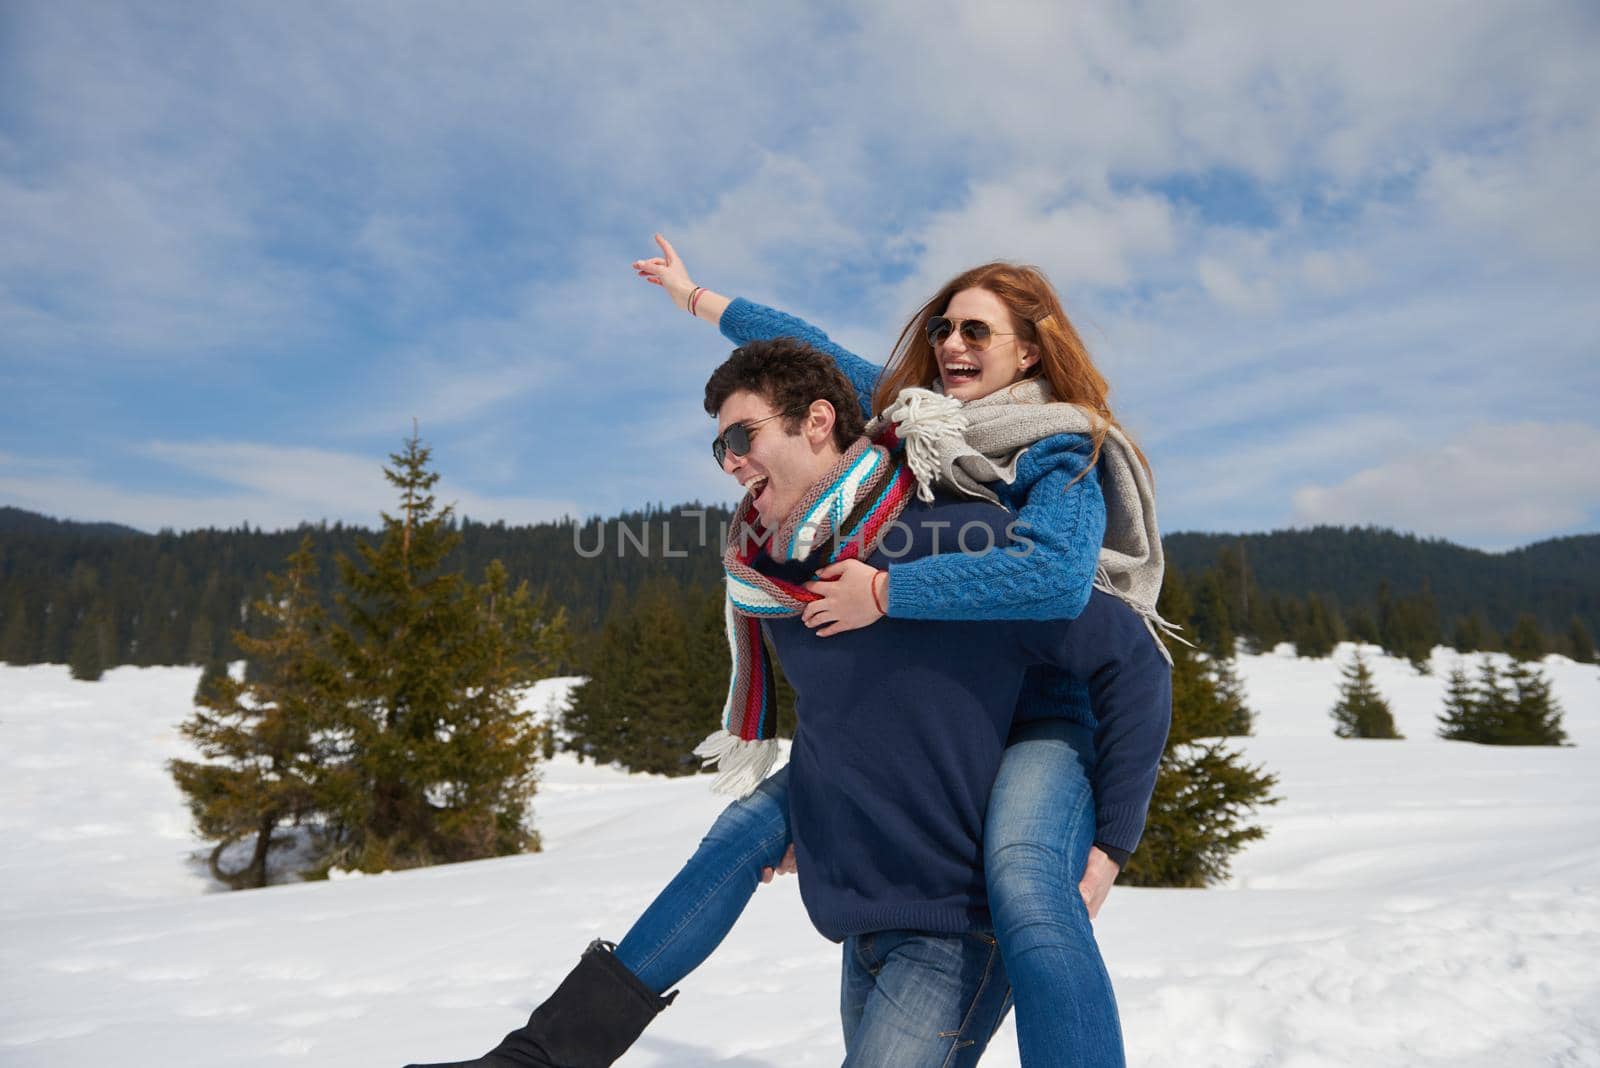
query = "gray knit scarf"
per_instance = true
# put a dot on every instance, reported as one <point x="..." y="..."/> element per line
<point x="960" y="447"/>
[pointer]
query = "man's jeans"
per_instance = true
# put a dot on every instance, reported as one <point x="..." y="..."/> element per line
<point x="910" y="999"/>
<point x="1041" y="823"/>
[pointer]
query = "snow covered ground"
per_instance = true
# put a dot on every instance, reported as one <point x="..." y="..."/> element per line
<point x="1415" y="903"/>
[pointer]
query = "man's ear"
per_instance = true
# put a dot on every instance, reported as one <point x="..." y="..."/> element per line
<point x="820" y="418"/>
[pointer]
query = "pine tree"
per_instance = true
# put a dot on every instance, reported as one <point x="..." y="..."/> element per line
<point x="1361" y="711"/>
<point x="1205" y="792"/>
<point x="1470" y="634"/>
<point x="1213" y="629"/>
<point x="1238" y="587"/>
<point x="1511" y="708"/>
<point x="263" y="766"/>
<point x="1408" y="626"/>
<point x="1580" y="644"/>
<point x="1526" y="640"/>
<point x="442" y="764"/>
<point x="596" y="719"/>
<point x="1534" y="717"/>
<point x="1464" y="717"/>
<point x="1359" y="626"/>
<point x="16" y="646"/>
<point x="1316" y="635"/>
<point x="94" y="644"/>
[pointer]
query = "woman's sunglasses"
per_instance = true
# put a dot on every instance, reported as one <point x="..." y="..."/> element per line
<point x="975" y="332"/>
<point x="736" y="439"/>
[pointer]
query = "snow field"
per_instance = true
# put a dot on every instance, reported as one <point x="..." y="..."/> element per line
<point x="1415" y="902"/>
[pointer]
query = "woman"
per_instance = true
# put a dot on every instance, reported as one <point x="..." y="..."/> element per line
<point x="1065" y="1007"/>
<point x="994" y="342"/>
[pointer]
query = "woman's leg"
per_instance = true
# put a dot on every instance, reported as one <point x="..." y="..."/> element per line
<point x="607" y="1001"/>
<point x="1040" y="825"/>
<point x="698" y="908"/>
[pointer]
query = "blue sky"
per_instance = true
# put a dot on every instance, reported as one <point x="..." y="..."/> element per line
<point x="1340" y="265"/>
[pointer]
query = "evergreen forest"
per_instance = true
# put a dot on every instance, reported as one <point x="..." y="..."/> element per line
<point x="100" y="595"/>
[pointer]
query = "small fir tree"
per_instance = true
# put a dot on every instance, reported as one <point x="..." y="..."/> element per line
<point x="1316" y="636"/>
<point x="16" y="644"/>
<point x="1514" y="707"/>
<point x="1213" y="629"/>
<point x="1526" y="640"/>
<point x="1534" y="717"/>
<point x="1580" y="644"/>
<point x="1408" y="626"/>
<point x="87" y="662"/>
<point x="262" y="767"/>
<point x="1206" y="793"/>
<point x="1471" y="635"/>
<point x="1361" y="711"/>
<point x="657" y="681"/>
<point x="442" y="765"/>
<point x="1464" y="717"/>
<point x="1359" y="626"/>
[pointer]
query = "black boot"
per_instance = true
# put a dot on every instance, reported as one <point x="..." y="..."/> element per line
<point x="596" y="1013"/>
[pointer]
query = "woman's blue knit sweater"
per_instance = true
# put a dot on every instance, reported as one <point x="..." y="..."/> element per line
<point x="1065" y="521"/>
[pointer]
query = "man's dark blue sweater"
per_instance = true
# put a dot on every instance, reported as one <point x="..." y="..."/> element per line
<point x="902" y="726"/>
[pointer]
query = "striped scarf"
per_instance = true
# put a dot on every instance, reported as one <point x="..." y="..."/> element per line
<point x="843" y="516"/>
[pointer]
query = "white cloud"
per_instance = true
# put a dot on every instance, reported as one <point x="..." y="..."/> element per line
<point x="1080" y="236"/>
<point x="1496" y="486"/>
<point x="1223" y="284"/>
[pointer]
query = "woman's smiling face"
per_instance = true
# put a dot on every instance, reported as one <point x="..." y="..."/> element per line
<point x="967" y="373"/>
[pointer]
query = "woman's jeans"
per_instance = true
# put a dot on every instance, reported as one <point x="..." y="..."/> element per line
<point x="697" y="909"/>
<point x="1037" y="835"/>
<point x="1040" y="826"/>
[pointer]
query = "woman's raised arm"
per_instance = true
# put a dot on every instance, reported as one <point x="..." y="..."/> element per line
<point x="742" y="321"/>
<point x="668" y="272"/>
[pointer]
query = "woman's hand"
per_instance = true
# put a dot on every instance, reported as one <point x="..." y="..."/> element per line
<point x="1098" y="875"/>
<point x="668" y="272"/>
<point x="851" y="593"/>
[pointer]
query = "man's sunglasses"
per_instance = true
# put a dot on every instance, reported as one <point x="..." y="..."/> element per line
<point x="975" y="332"/>
<point x="736" y="439"/>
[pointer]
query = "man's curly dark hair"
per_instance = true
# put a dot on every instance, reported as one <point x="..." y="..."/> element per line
<point x="788" y="374"/>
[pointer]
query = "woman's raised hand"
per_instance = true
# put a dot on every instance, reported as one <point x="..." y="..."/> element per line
<point x="667" y="271"/>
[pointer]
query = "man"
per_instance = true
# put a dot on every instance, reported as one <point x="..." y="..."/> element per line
<point x="901" y="729"/>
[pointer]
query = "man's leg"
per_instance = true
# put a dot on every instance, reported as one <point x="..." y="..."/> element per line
<point x="1040" y="825"/>
<point x="915" y="1000"/>
<point x="697" y="909"/>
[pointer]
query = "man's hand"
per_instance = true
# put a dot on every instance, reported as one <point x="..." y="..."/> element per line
<point x="668" y="272"/>
<point x="847" y="601"/>
<point x="1098" y="875"/>
<point x="785" y="866"/>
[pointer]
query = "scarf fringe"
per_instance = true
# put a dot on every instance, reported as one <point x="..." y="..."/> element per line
<point x="1159" y="628"/>
<point x="926" y="422"/>
<point x="741" y="764"/>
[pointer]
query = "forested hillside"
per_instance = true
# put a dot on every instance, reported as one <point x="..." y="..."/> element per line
<point x="115" y="595"/>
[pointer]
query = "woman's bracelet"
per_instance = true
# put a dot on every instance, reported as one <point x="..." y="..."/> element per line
<point x="875" y="602"/>
<point x="694" y="295"/>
